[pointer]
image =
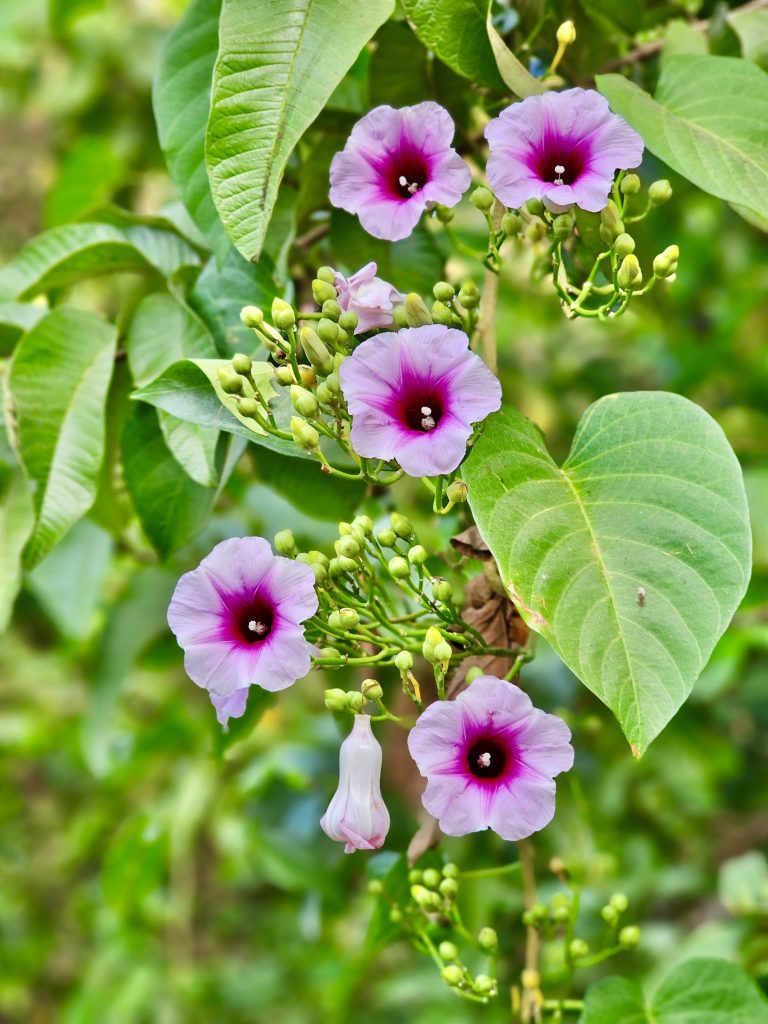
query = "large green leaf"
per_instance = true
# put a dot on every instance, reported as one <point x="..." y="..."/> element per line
<point x="17" y="517"/>
<point x="57" y="388"/>
<point x="90" y="172"/>
<point x="221" y="291"/>
<point x="455" y="30"/>
<point x="515" y="74"/>
<point x="707" y="122"/>
<point x="698" y="991"/>
<point x="632" y="557"/>
<point x="413" y="264"/>
<point x="16" y="318"/>
<point x="73" y="251"/>
<point x="181" y="98"/>
<point x="278" y="63"/>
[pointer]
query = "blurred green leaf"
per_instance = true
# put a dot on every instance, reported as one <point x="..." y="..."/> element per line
<point x="456" y="31"/>
<point x="88" y="175"/>
<point x="182" y="98"/>
<point x="17" y="518"/>
<point x="651" y="497"/>
<point x="222" y="290"/>
<point x="315" y="493"/>
<point x="692" y="124"/>
<point x="60" y="430"/>
<point x="275" y="70"/>
<point x="73" y="251"/>
<point x="743" y="884"/>
<point x="752" y="29"/>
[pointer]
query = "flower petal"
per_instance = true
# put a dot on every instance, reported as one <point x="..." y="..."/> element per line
<point x="457" y="805"/>
<point x="231" y="706"/>
<point x="524" y="806"/>
<point x="291" y="585"/>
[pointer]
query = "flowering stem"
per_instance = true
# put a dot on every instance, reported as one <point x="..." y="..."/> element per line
<point x="531" y="999"/>
<point x="505" y="869"/>
<point x="487" y="325"/>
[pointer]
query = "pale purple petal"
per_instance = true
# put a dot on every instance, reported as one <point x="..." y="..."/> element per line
<point x="523" y="807"/>
<point x="282" y="659"/>
<point x="369" y="297"/>
<point x="291" y="585"/>
<point x="544" y="742"/>
<point x="231" y="706"/>
<point x="219" y="667"/>
<point x="456" y="807"/>
<point x="235" y="563"/>
<point x="440" y="451"/>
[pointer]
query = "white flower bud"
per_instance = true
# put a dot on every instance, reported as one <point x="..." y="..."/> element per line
<point x="356" y="815"/>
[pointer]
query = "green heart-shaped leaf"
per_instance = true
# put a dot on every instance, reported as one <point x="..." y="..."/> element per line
<point x="631" y="558"/>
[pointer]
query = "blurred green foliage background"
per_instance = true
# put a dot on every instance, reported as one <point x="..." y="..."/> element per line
<point x="152" y="870"/>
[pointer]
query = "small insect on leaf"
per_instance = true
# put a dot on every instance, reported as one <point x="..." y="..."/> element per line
<point x="641" y="597"/>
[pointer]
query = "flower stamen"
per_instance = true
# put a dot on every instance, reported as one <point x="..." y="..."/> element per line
<point x="410" y="186"/>
<point x="427" y="419"/>
<point x="559" y="172"/>
<point x="484" y="760"/>
<point x="259" y="628"/>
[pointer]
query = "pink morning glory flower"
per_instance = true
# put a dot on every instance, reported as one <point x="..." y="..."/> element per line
<point x="238" y="617"/>
<point x="490" y="758"/>
<point x="562" y="147"/>
<point x="367" y="295"/>
<point x="356" y="815"/>
<point x="395" y="164"/>
<point x="414" y="395"/>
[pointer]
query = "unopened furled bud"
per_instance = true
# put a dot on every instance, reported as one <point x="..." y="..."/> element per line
<point x="442" y="652"/>
<point x="630" y="276"/>
<point x="453" y="975"/>
<point x="327" y="274"/>
<point x="609" y="914"/>
<point x="660" y="192"/>
<point x="322" y="291"/>
<point x="324" y="393"/>
<point x="578" y="948"/>
<point x="251" y="316"/>
<point x="512" y="223"/>
<point x="248" y="407"/>
<point x="356" y="701"/>
<point x="474" y="673"/>
<point x="331" y="310"/>
<point x="535" y="231"/>
<point x="482" y="199"/>
<point x="665" y="264"/>
<point x="619" y="902"/>
<point x="398" y="568"/>
<point x="285" y="543"/>
<point x="404" y="662"/>
<point x="283" y="315"/>
<point x="284" y="375"/>
<point x="308" y="376"/>
<point x="304" y="435"/>
<point x="304" y="402"/>
<point x="401" y="525"/>
<point x="320" y="571"/>
<point x="611" y="224"/>
<point x="443" y="291"/>
<point x="357" y="815"/>
<point x="441" y="314"/>
<point x="347" y="547"/>
<point x="442" y="590"/>
<point x="416" y="313"/>
<point x="562" y="225"/>
<point x="371" y="689"/>
<point x="630" y="185"/>
<point x="231" y="382"/>
<point x="456" y="492"/>
<point x="485" y="985"/>
<point x="530" y="979"/>
<point x="387" y="537"/>
<point x="364" y="524"/>
<point x="624" y="245"/>
<point x="417" y="555"/>
<point x="448" y="951"/>
<point x="535" y="207"/>
<point x="566" y="34"/>
<point x="448" y="888"/>
<point x="444" y="213"/>
<point x="629" y="937"/>
<point x="348" y="321"/>
<point x="469" y="295"/>
<point x="315" y="351"/>
<point x="487" y="939"/>
<point x="431" y="878"/>
<point x="242" y="364"/>
<point x="350" y="618"/>
<point x="336" y="700"/>
<point x="398" y="317"/>
<point x="327" y="331"/>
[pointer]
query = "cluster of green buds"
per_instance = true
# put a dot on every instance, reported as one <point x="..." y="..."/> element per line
<point x="451" y="307"/>
<point x="381" y="605"/>
<point x="431" y="919"/>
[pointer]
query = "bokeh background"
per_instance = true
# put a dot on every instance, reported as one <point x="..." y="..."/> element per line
<point x="154" y="871"/>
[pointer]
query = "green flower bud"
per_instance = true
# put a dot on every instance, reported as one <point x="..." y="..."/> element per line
<point x="629" y="937"/>
<point x="433" y="637"/>
<point x="347" y="564"/>
<point x="395" y="915"/>
<point x="442" y="590"/>
<point x="375" y="887"/>
<point x="624" y="245"/>
<point x="443" y="291"/>
<point x="324" y="394"/>
<point x="665" y="264"/>
<point x="304" y="436"/>
<point x="431" y="878"/>
<point x="557" y="866"/>
<point x="285" y="543"/>
<point x="484" y="985"/>
<point x="284" y="375"/>
<point x="487" y="938"/>
<point x="578" y="948"/>
<point x="416" y="313"/>
<point x="451" y="870"/>
<point x="231" y="382"/>
<point x="619" y="902"/>
<point x="348" y="321"/>
<point x="630" y="276"/>
<point x="659" y="192"/>
<point x="482" y="198"/>
<point x="401" y="526"/>
<point x="334" y="620"/>
<point x="609" y="915"/>
<point x="562" y="225"/>
<point x="528" y="919"/>
<point x="356" y="701"/>
<point x="242" y="363"/>
<point x="350" y="619"/>
<point x="441" y="314"/>
<point x="444" y="213"/>
<point x="398" y="568"/>
<point x="327" y="331"/>
<point x="283" y="315"/>
<point x="423" y="897"/>
<point x="387" y="537"/>
<point x="320" y="571"/>
<point x="404" y="661"/>
<point x="415" y="876"/>
<point x="448" y="951"/>
<point x="630" y="185"/>
<point x="449" y="887"/>
<point x="315" y="351"/>
<point x="442" y="652"/>
<point x="417" y="555"/>
<point x="364" y="524"/>
<point x="566" y="34"/>
<point x="322" y="291"/>
<point x="474" y="673"/>
<point x="336" y="700"/>
<point x="560" y="915"/>
<point x="248" y="407"/>
<point x="371" y="689"/>
<point x="539" y="911"/>
<point x="304" y="402"/>
<point x="512" y="223"/>
<point x="456" y="491"/>
<point x="611" y="223"/>
<point x="330" y="652"/>
<point x="469" y="296"/>
<point x="333" y="383"/>
<point x="398" y="316"/>
<point x="560" y="900"/>
<point x="251" y="316"/>
<point x="331" y="310"/>
<point x="348" y="546"/>
<point x="453" y="975"/>
<point x="535" y="231"/>
<point x="326" y="274"/>
<point x="535" y="207"/>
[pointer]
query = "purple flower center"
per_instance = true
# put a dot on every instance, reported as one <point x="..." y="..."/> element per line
<point x="254" y="621"/>
<point x="407" y="173"/>
<point x="558" y="162"/>
<point x="422" y="412"/>
<point x="487" y="758"/>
